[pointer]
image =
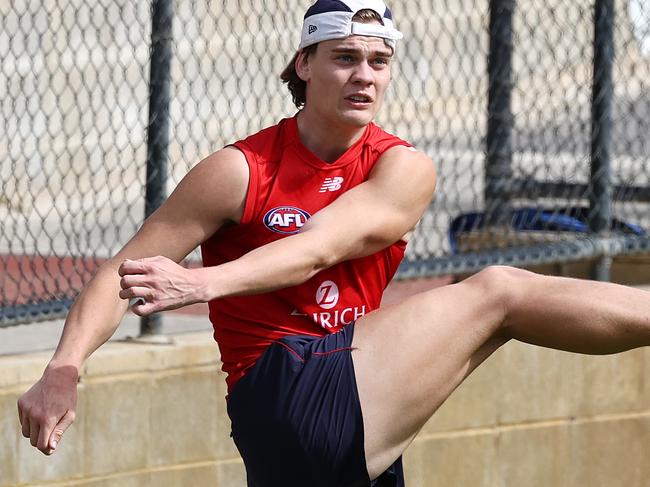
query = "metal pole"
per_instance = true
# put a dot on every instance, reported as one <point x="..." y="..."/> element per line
<point x="600" y="195"/>
<point x="498" y="168"/>
<point x="162" y="12"/>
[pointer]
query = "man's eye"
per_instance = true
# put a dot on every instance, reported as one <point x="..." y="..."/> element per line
<point x="381" y="60"/>
<point x="344" y="57"/>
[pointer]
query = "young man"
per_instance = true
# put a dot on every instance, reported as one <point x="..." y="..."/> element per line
<point x="302" y="226"/>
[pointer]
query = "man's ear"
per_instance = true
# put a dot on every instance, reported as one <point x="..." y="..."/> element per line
<point x="303" y="66"/>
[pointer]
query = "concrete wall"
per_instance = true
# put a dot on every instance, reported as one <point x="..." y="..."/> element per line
<point x="147" y="415"/>
<point x="155" y="416"/>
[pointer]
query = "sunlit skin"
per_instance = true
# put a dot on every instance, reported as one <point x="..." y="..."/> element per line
<point x="339" y="69"/>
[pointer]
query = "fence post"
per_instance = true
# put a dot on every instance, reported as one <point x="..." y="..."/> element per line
<point x="162" y="12"/>
<point x="498" y="167"/>
<point x="600" y="184"/>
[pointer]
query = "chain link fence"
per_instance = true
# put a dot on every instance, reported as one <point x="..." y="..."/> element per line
<point x="500" y="94"/>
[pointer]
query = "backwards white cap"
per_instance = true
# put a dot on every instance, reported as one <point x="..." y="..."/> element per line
<point x="332" y="19"/>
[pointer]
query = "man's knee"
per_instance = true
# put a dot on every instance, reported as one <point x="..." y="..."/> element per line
<point x="505" y="285"/>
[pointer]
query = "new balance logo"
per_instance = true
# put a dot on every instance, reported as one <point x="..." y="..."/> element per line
<point x="331" y="184"/>
<point x="312" y="28"/>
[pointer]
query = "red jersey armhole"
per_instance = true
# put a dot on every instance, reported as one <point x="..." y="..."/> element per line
<point x="253" y="185"/>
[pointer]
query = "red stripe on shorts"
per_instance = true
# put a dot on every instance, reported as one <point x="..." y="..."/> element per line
<point x="292" y="351"/>
<point x="333" y="351"/>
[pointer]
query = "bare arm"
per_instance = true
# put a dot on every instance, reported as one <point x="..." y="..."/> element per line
<point x="209" y="196"/>
<point x="360" y="222"/>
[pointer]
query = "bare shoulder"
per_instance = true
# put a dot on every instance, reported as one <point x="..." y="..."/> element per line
<point x="406" y="169"/>
<point x="225" y="167"/>
<point x="229" y="156"/>
<point x="217" y="183"/>
<point x="407" y="156"/>
<point x="211" y="195"/>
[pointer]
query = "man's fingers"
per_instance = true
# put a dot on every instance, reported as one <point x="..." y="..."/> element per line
<point x="20" y="413"/>
<point x="25" y="425"/>
<point x="57" y="432"/>
<point x="44" y="435"/>
<point x="133" y="280"/>
<point x="34" y="430"/>
<point x="143" y="308"/>
<point x="137" y="292"/>
<point x="131" y="267"/>
<point x="46" y="406"/>
<point x="142" y="266"/>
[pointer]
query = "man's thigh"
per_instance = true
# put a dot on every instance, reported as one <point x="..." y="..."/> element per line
<point x="409" y="357"/>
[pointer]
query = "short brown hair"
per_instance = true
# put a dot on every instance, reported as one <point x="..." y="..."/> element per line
<point x="297" y="86"/>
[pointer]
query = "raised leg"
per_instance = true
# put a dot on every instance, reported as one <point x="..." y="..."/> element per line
<point x="410" y="356"/>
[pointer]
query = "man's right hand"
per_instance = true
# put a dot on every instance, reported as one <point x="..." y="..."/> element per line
<point x="48" y="408"/>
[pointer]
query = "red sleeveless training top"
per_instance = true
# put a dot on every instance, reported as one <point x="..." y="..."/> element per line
<point x="287" y="185"/>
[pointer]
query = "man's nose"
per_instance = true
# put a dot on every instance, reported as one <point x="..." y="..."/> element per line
<point x="363" y="73"/>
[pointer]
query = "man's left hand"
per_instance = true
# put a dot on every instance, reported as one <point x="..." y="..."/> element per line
<point x="159" y="284"/>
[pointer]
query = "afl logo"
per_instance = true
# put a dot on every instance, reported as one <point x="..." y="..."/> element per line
<point x="285" y="219"/>
<point x="327" y="295"/>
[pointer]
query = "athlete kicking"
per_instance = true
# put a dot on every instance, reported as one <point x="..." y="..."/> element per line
<point x="302" y="226"/>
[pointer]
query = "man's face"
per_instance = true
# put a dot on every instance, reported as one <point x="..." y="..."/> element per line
<point x="347" y="78"/>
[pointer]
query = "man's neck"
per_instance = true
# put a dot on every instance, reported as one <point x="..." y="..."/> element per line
<point x="326" y="140"/>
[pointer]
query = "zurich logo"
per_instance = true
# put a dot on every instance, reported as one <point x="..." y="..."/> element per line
<point x="285" y="219"/>
<point x="327" y="295"/>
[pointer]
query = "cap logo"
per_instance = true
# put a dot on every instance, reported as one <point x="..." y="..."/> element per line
<point x="333" y="19"/>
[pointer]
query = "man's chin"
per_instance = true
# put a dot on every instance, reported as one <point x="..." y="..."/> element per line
<point x="358" y="118"/>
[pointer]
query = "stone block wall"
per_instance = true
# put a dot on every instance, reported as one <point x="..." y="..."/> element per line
<point x="154" y="415"/>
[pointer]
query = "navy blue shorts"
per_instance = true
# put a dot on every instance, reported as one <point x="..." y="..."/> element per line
<point x="296" y="418"/>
